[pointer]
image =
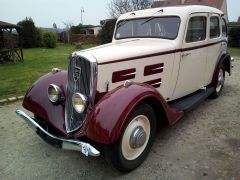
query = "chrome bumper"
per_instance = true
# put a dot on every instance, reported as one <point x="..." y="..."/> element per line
<point x="63" y="143"/>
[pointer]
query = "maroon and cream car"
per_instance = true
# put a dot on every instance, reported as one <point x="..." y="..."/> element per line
<point x="161" y="63"/>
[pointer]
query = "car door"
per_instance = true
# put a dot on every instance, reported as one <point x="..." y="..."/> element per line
<point x="193" y="56"/>
<point x="218" y="42"/>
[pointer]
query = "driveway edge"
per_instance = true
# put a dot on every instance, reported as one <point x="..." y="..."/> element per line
<point x="10" y="100"/>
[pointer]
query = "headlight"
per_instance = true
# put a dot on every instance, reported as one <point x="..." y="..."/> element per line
<point x="79" y="102"/>
<point x="54" y="93"/>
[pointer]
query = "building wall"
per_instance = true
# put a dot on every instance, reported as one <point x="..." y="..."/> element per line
<point x="96" y="30"/>
<point x="224" y="10"/>
<point x="219" y="4"/>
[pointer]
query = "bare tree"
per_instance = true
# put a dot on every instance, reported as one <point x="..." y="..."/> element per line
<point x="68" y="26"/>
<point x="118" y="7"/>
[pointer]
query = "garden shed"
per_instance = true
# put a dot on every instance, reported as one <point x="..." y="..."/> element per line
<point x="10" y="43"/>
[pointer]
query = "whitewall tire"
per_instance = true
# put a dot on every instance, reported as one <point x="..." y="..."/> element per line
<point x="220" y="83"/>
<point x="136" y="140"/>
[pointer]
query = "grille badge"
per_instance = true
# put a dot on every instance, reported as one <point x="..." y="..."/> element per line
<point x="77" y="73"/>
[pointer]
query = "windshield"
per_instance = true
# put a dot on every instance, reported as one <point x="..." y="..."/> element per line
<point x="153" y="27"/>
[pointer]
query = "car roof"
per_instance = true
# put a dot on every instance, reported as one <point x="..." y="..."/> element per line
<point x="182" y="11"/>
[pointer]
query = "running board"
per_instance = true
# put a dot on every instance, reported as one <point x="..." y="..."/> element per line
<point x="189" y="102"/>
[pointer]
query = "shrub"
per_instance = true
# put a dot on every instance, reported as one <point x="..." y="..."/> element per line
<point x="234" y="37"/>
<point x="39" y="37"/>
<point x="107" y="31"/>
<point x="49" y="39"/>
<point x="29" y="33"/>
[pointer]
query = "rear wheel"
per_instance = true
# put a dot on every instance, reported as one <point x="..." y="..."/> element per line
<point x="136" y="140"/>
<point x="220" y="83"/>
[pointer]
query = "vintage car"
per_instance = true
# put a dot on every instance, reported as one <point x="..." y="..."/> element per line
<point x="161" y="63"/>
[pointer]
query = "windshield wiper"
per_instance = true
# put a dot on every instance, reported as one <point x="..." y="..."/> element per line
<point x="125" y="20"/>
<point x="152" y="16"/>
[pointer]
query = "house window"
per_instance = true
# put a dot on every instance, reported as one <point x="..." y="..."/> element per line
<point x="196" y="29"/>
<point x="224" y="28"/>
<point x="214" y="27"/>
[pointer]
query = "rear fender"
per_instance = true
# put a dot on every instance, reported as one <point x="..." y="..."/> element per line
<point x="105" y="122"/>
<point x="225" y="60"/>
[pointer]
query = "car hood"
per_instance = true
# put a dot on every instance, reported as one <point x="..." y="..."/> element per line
<point x="126" y="49"/>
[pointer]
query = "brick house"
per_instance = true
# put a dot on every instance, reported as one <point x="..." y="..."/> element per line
<point x="219" y="4"/>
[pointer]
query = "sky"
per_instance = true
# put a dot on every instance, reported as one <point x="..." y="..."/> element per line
<point x="46" y="12"/>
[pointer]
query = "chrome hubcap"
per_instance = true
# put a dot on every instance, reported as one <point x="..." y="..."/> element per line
<point x="220" y="80"/>
<point x="137" y="138"/>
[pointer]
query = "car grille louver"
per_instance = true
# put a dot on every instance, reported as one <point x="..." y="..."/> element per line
<point x="79" y="76"/>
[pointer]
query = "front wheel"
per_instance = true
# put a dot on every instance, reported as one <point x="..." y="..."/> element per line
<point x="220" y="83"/>
<point x="136" y="140"/>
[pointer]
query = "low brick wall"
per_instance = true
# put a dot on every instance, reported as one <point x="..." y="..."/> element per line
<point x="87" y="39"/>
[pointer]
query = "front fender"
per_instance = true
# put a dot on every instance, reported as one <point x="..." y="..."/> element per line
<point x="36" y="100"/>
<point x="106" y="120"/>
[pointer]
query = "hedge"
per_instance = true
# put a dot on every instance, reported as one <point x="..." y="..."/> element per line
<point x="49" y="39"/>
<point x="234" y="37"/>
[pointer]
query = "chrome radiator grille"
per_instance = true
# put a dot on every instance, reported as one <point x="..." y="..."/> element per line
<point x="79" y="80"/>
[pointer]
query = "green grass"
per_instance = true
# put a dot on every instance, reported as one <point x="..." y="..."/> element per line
<point x="234" y="51"/>
<point x="15" y="79"/>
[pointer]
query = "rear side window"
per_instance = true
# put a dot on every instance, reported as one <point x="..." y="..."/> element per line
<point x="224" y="28"/>
<point x="196" y="29"/>
<point x="214" y="27"/>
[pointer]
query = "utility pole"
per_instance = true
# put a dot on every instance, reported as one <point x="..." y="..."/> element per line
<point x="82" y="11"/>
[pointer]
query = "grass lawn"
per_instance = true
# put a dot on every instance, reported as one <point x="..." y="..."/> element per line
<point x="15" y="79"/>
<point x="234" y="51"/>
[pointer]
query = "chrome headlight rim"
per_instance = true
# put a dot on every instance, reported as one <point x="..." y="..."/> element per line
<point x="83" y="98"/>
<point x="58" y="91"/>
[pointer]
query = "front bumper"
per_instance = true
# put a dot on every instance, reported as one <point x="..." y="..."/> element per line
<point x="69" y="144"/>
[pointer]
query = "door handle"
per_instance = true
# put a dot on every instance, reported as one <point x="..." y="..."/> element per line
<point x="186" y="54"/>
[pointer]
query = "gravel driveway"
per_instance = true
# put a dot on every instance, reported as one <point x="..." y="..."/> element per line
<point x="205" y="144"/>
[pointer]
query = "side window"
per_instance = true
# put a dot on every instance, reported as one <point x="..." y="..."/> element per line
<point x="196" y="29"/>
<point x="214" y="27"/>
<point x="224" y="28"/>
